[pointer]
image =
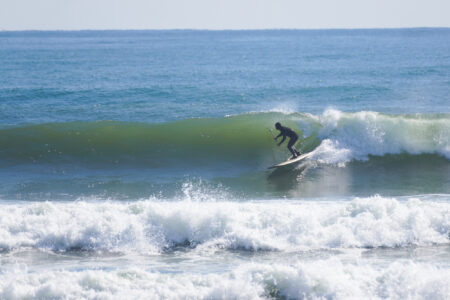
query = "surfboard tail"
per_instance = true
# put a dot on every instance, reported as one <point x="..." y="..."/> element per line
<point x="292" y="161"/>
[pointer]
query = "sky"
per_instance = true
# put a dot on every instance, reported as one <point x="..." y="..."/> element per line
<point x="215" y="14"/>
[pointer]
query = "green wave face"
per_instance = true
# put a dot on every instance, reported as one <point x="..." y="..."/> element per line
<point x="237" y="139"/>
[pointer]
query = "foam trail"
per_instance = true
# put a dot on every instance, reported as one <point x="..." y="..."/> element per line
<point x="153" y="226"/>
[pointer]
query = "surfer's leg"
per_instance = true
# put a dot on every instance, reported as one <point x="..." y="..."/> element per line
<point x="291" y="147"/>
<point x="294" y="155"/>
<point x="294" y="140"/>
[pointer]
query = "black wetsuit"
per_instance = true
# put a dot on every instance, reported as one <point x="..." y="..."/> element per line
<point x="286" y="131"/>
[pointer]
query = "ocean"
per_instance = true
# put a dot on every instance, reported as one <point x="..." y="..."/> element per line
<point x="134" y="164"/>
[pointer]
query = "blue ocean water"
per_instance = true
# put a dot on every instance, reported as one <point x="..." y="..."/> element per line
<point x="133" y="164"/>
<point x="161" y="76"/>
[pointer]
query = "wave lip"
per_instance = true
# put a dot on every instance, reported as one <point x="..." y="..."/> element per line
<point x="154" y="227"/>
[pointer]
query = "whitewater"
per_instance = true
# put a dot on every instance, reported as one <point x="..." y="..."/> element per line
<point x="134" y="164"/>
<point x="347" y="248"/>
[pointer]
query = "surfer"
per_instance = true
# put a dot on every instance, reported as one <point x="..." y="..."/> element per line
<point x="293" y="137"/>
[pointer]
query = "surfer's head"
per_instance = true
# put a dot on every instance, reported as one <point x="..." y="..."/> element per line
<point x="278" y="125"/>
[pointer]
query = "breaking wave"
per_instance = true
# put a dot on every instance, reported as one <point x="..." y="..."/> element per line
<point x="243" y="140"/>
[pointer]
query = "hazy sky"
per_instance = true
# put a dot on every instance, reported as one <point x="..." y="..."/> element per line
<point x="213" y="14"/>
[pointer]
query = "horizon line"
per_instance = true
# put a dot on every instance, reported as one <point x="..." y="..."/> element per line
<point x="224" y="29"/>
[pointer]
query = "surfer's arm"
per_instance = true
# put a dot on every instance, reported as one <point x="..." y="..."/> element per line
<point x="276" y="138"/>
<point x="282" y="140"/>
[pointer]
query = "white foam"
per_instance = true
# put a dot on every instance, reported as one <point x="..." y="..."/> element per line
<point x="323" y="279"/>
<point x="152" y="226"/>
<point x="347" y="136"/>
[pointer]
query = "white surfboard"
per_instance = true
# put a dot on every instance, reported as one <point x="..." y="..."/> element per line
<point x="292" y="161"/>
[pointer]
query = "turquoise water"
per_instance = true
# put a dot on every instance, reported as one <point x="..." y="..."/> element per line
<point x="134" y="163"/>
